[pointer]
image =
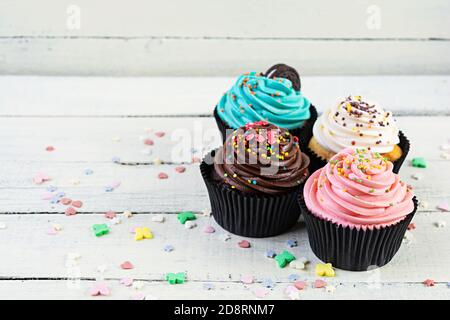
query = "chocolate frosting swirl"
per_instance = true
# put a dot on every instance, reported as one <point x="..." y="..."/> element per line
<point x="261" y="158"/>
<point x="282" y="70"/>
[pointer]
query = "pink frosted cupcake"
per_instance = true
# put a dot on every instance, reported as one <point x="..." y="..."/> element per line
<point x="357" y="210"/>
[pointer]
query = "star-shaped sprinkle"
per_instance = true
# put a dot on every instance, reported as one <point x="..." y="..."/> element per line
<point x="208" y="229"/>
<point x="325" y="270"/>
<point x="127" y="282"/>
<point x="299" y="264"/>
<point x="419" y="162"/>
<point x="190" y="224"/>
<point x="206" y="212"/>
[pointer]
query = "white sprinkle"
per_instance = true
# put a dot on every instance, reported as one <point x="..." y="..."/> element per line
<point x="127" y="214"/>
<point x="417" y="176"/>
<point x="57" y="227"/>
<point x="441" y="224"/>
<point x="116" y="220"/>
<point x="423" y="204"/>
<point x="158" y="218"/>
<point x="299" y="264"/>
<point x="445" y="155"/>
<point x="206" y="212"/>
<point x="2" y="226"/>
<point x="408" y="237"/>
<point x="445" y="147"/>
<point x="190" y="225"/>
<point x="157" y="161"/>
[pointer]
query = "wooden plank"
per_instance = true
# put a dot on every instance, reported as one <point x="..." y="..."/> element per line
<point x="29" y="252"/>
<point x="59" y="290"/>
<point x="233" y="18"/>
<point x="218" y="57"/>
<point x="101" y="96"/>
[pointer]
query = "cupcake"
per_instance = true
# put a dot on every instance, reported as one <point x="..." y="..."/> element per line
<point x="273" y="96"/>
<point x="356" y="210"/>
<point x="254" y="180"/>
<point x="356" y="123"/>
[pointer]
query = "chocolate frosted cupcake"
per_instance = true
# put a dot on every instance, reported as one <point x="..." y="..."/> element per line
<point x="254" y="180"/>
<point x="356" y="210"/>
<point x="273" y="96"/>
<point x="358" y="124"/>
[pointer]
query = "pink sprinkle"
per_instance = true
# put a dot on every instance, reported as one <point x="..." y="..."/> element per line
<point x="110" y="215"/>
<point x="180" y="169"/>
<point x="127" y="282"/>
<point x="50" y="148"/>
<point x="99" y="289"/>
<point x="260" y="138"/>
<point x="443" y="206"/>
<point x="261" y="292"/>
<point x="162" y="175"/>
<point x="411" y="226"/>
<point x="149" y="142"/>
<point x="71" y="211"/>
<point x="115" y="184"/>
<point x="250" y="136"/>
<point x="300" y="285"/>
<point x="247" y="279"/>
<point x="244" y="244"/>
<point x="77" y="204"/>
<point x="127" y="265"/>
<point x="209" y="229"/>
<point x="40" y="178"/>
<point x="139" y="296"/>
<point x="319" y="284"/>
<point x="428" y="283"/>
<point x="47" y="196"/>
<point x="160" y="134"/>
<point x="65" y="201"/>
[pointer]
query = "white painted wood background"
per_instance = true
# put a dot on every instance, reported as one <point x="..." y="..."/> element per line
<point x="210" y="38"/>
<point x="91" y="120"/>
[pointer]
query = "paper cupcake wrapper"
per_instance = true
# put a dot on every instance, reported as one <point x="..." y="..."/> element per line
<point x="250" y="215"/>
<point x="317" y="162"/>
<point x="352" y="249"/>
<point x="305" y="130"/>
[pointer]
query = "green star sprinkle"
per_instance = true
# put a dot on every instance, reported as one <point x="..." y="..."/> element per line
<point x="419" y="162"/>
<point x="284" y="258"/>
<point x="100" y="229"/>
<point x="176" y="278"/>
<point x="185" y="216"/>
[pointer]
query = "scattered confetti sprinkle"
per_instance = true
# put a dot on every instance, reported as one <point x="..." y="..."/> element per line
<point x="206" y="212"/>
<point x="445" y="155"/>
<point x="77" y="204"/>
<point x="70" y="211"/>
<point x="190" y="225"/>
<point x="441" y="224"/>
<point x="176" y="278"/>
<point x="110" y="215"/>
<point x="244" y="244"/>
<point x="300" y="285"/>
<point x="51" y="188"/>
<point x="293" y="293"/>
<point x="88" y="172"/>
<point x="127" y="282"/>
<point x="40" y="178"/>
<point x="443" y="206"/>
<point x="284" y="258"/>
<point x="158" y="218"/>
<point x="208" y="286"/>
<point x="293" y="277"/>
<point x="102" y="268"/>
<point x="319" y="283"/>
<point x="185" y="216"/>
<point x="291" y="243"/>
<point x="163" y="176"/>
<point x="419" y="162"/>
<point x="268" y="283"/>
<point x="148" y="142"/>
<point x="209" y="229"/>
<point x="65" y="201"/>
<point x="408" y="237"/>
<point x="50" y="148"/>
<point x="429" y="283"/>
<point x="247" y="279"/>
<point x="270" y="253"/>
<point x="299" y="264"/>
<point x="57" y="227"/>
<point x="423" y="204"/>
<point x="417" y="176"/>
<point x="411" y="226"/>
<point x="142" y="233"/>
<point x="116" y="220"/>
<point x="168" y="248"/>
<point x="127" y="265"/>
<point x="100" y="229"/>
<point x="325" y="270"/>
<point x="180" y="169"/>
<point x="127" y="214"/>
<point x="115" y="159"/>
<point x="160" y="134"/>
<point x="99" y="289"/>
<point x="261" y="292"/>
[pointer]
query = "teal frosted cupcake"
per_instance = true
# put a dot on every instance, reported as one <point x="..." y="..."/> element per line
<point x="273" y="96"/>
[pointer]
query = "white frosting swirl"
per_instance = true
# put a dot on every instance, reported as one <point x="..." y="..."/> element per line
<point x="355" y="123"/>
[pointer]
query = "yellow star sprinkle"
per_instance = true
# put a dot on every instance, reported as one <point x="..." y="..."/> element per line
<point x="325" y="270"/>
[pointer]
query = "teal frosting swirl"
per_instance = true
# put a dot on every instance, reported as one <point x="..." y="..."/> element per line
<point x="254" y="97"/>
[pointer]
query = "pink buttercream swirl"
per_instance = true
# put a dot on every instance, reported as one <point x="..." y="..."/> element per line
<point x="357" y="188"/>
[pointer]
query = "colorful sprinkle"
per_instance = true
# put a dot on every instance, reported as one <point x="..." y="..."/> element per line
<point x="244" y="244"/>
<point x="127" y="265"/>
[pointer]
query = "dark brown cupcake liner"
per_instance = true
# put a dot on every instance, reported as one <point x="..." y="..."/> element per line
<point x="305" y="129"/>
<point x="352" y="249"/>
<point x="250" y="215"/>
<point x="317" y="162"/>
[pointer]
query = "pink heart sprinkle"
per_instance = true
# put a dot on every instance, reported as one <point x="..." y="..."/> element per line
<point x="77" y="204"/>
<point x="443" y="206"/>
<point x="180" y="169"/>
<point x="162" y="175"/>
<point x="50" y="148"/>
<point x="127" y="282"/>
<point x="244" y="244"/>
<point x="247" y="279"/>
<point x="115" y="184"/>
<point x="319" y="284"/>
<point x="99" y="289"/>
<point x="261" y="292"/>
<point x="70" y="211"/>
<point x="160" y="134"/>
<point x="209" y="229"/>
<point x="110" y="215"/>
<point x="40" y="178"/>
<point x="300" y="285"/>
<point x="127" y="265"/>
<point x="65" y="201"/>
<point x="149" y="142"/>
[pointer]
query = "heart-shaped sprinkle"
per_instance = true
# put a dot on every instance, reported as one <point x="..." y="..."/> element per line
<point x="65" y="201"/>
<point x="180" y="169"/>
<point x="127" y="265"/>
<point x="300" y="285"/>
<point x="77" y="204"/>
<point x="247" y="279"/>
<point x="261" y="292"/>
<point x="209" y="229"/>
<point x="160" y="134"/>
<point x="127" y="282"/>
<point x="110" y="215"/>
<point x="319" y="284"/>
<point x="244" y="244"/>
<point x="148" y="142"/>
<point x="70" y="211"/>
<point x="50" y="148"/>
<point x="162" y="175"/>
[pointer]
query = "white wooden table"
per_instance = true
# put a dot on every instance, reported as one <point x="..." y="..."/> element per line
<point x="91" y="120"/>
